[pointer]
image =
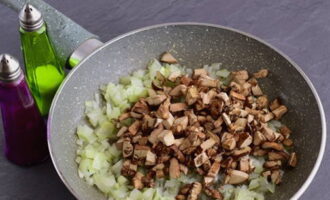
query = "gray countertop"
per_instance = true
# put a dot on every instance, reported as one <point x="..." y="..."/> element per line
<point x="301" y="29"/>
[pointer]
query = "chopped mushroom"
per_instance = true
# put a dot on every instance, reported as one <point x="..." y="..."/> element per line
<point x="197" y="124"/>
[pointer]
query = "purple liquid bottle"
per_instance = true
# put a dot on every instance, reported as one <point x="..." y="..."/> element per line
<point x="24" y="129"/>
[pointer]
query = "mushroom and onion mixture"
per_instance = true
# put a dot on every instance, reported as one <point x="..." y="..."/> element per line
<point x="171" y="133"/>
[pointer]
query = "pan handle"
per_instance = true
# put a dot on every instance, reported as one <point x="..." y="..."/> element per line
<point x="71" y="41"/>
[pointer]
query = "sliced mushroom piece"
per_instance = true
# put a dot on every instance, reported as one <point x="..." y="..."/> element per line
<point x="250" y="118"/>
<point x="206" y="81"/>
<point x="269" y="134"/>
<point x="274" y="104"/>
<point x="178" y="90"/>
<point x="185" y="80"/>
<point x="242" y="151"/>
<point x="177" y="107"/>
<point x="180" y="197"/>
<point x="140" y="107"/>
<point x="174" y="168"/>
<point x="121" y="131"/>
<point x="240" y="76"/>
<point x="207" y="97"/>
<point x="235" y="177"/>
<point x="259" y="152"/>
<point x="178" y="142"/>
<point x="128" y="169"/>
<point x="168" y="58"/>
<point x="156" y="100"/>
<point x="153" y="137"/>
<point x="150" y="159"/>
<point x="214" y="194"/>
<point x="212" y="173"/>
<point x="169" y="121"/>
<point x="229" y="143"/>
<point x="174" y="76"/>
<point x="285" y="131"/>
<point x="134" y="128"/>
<point x="192" y="95"/>
<point x="200" y="159"/>
<point x="137" y="181"/>
<point x="235" y="87"/>
<point x="164" y="109"/>
<point x="272" y="145"/>
<point x="276" y="177"/>
<point x="178" y="154"/>
<point x="262" y="102"/>
<point x="224" y="97"/>
<point x="199" y="72"/>
<point x="245" y="140"/>
<point x="273" y="164"/>
<point x="140" y="152"/>
<point x="239" y="125"/>
<point x="244" y="164"/>
<point x="293" y="160"/>
<point x="258" y="138"/>
<point x="127" y="148"/>
<point x="208" y="144"/>
<point x="195" y="191"/>
<point x="237" y="95"/>
<point x="266" y="117"/>
<point x="180" y="124"/>
<point x="184" y="169"/>
<point x="124" y="116"/>
<point x="263" y="73"/>
<point x="274" y="155"/>
<point x="288" y="142"/>
<point x="226" y="119"/>
<point x="280" y="111"/>
<point x="166" y="137"/>
<point x="256" y="90"/>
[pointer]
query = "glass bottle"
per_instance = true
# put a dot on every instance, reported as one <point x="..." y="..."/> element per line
<point x="24" y="128"/>
<point x="43" y="71"/>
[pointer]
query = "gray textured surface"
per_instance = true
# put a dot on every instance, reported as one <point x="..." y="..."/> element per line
<point x="300" y="29"/>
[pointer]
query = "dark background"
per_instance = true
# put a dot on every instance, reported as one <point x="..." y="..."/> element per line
<point x="301" y="29"/>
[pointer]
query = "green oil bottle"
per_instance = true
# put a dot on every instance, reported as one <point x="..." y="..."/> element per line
<point x="43" y="71"/>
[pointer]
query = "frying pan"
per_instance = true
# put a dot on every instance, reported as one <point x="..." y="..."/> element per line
<point x="194" y="44"/>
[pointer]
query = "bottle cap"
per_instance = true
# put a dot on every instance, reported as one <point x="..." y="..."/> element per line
<point x="9" y="68"/>
<point x="30" y="18"/>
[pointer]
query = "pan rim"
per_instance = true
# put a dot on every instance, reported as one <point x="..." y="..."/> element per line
<point x="320" y="156"/>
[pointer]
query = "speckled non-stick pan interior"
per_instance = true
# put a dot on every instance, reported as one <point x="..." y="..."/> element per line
<point x="194" y="45"/>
